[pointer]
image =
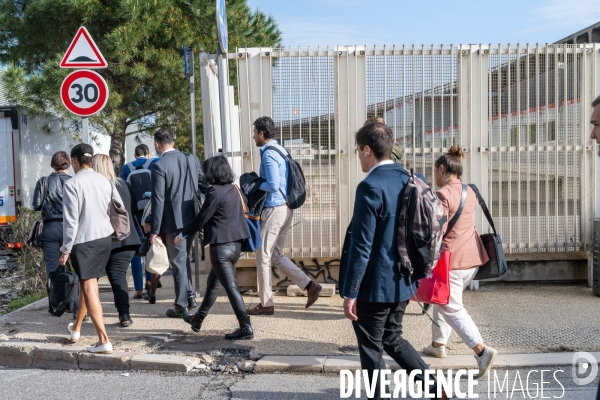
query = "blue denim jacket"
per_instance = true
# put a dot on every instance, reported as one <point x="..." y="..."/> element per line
<point x="273" y="168"/>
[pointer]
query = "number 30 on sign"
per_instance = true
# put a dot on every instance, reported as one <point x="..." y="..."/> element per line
<point x="84" y="92"/>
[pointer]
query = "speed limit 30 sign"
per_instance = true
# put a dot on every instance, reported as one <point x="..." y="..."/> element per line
<point x="84" y="92"/>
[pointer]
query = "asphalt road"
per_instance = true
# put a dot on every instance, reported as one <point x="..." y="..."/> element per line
<point x="64" y="385"/>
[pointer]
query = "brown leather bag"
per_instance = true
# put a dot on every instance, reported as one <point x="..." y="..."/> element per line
<point x="119" y="218"/>
<point x="35" y="235"/>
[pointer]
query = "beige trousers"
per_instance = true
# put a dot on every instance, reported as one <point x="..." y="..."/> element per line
<point x="275" y="223"/>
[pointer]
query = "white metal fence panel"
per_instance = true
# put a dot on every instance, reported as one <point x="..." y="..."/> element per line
<point x="520" y="113"/>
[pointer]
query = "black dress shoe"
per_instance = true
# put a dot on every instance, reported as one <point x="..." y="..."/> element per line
<point x="125" y="320"/>
<point x="177" y="312"/>
<point x="192" y="302"/>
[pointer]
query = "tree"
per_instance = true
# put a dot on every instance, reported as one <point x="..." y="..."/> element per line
<point x="142" y="42"/>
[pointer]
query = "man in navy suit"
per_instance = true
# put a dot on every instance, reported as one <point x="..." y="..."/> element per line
<point x="375" y="293"/>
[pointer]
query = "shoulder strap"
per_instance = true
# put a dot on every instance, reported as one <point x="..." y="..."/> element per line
<point x="277" y="150"/>
<point x="242" y="200"/>
<point x="147" y="163"/>
<point x="46" y="183"/>
<point x="484" y="207"/>
<point x="454" y="220"/>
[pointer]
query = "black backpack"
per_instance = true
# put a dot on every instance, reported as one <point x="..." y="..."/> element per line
<point x="140" y="181"/>
<point x="296" y="185"/>
<point x="64" y="292"/>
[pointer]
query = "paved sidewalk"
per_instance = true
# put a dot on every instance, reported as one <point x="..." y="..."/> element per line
<point x="515" y="318"/>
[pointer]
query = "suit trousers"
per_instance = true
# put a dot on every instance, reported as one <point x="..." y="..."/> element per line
<point x="275" y="223"/>
<point x="223" y="258"/>
<point x="182" y="269"/>
<point x="116" y="271"/>
<point x="379" y="328"/>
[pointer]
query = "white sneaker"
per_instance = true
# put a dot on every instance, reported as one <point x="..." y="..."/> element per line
<point x="75" y="336"/>
<point x="439" y="352"/>
<point x="105" y="348"/>
<point x="486" y="361"/>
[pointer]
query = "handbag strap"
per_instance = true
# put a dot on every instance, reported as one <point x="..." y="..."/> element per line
<point x="45" y="192"/>
<point x="463" y="199"/>
<point x="254" y="217"/>
<point x="484" y="207"/>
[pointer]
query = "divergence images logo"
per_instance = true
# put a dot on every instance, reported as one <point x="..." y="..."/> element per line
<point x="584" y="368"/>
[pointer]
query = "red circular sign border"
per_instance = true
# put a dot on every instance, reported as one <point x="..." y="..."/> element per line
<point x="102" y="92"/>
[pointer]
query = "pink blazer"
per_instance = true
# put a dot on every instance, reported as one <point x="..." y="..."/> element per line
<point x="463" y="241"/>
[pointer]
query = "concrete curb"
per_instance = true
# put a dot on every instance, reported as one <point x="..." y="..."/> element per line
<point x="333" y="364"/>
<point x="23" y="354"/>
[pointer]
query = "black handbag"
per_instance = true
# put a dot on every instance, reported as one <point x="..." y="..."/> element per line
<point x="496" y="266"/>
<point x="35" y="235"/>
<point x="198" y="196"/>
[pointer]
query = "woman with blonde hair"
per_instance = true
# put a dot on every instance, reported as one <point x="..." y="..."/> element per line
<point x="468" y="254"/>
<point x="87" y="239"/>
<point x="122" y="251"/>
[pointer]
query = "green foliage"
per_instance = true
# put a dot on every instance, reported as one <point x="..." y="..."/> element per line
<point x="32" y="270"/>
<point x="23" y="301"/>
<point x="141" y="41"/>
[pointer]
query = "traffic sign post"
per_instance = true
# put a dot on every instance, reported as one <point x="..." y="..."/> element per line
<point x="84" y="92"/>
<point x="223" y="72"/>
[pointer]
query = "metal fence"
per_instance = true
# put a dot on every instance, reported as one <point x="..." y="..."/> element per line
<point x="520" y="113"/>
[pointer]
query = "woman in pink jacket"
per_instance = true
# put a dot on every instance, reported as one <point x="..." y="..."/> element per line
<point x="468" y="254"/>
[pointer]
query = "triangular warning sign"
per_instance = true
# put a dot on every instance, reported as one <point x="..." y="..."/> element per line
<point x="83" y="52"/>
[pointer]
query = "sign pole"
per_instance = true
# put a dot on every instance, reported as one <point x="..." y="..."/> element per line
<point x="223" y="72"/>
<point x="194" y="148"/>
<point x="86" y="130"/>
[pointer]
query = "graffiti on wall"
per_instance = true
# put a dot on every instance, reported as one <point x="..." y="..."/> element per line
<point x="314" y="271"/>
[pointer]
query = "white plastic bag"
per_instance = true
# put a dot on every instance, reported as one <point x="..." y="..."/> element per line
<point x="157" y="260"/>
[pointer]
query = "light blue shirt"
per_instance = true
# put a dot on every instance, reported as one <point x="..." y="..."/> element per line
<point x="273" y="168"/>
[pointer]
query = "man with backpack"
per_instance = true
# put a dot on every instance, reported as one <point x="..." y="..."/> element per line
<point x="137" y="174"/>
<point x="374" y="287"/>
<point x="284" y="184"/>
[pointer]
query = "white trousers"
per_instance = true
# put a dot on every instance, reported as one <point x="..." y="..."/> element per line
<point x="453" y="315"/>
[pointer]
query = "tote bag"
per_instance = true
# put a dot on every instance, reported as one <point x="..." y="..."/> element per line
<point x="436" y="290"/>
<point x="157" y="260"/>
<point x="254" y="242"/>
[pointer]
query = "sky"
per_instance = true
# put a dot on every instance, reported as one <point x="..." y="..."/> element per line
<point x="396" y="22"/>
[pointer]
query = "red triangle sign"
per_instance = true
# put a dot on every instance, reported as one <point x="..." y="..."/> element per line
<point x="83" y="52"/>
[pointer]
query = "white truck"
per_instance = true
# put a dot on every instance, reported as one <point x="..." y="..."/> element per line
<point x="25" y="153"/>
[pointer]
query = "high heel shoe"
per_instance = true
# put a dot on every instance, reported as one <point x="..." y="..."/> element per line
<point x="151" y="299"/>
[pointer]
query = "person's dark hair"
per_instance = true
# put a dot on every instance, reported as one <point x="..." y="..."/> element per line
<point x="217" y="171"/>
<point x="163" y="136"/>
<point x="371" y="120"/>
<point x="141" y="150"/>
<point x="84" y="153"/>
<point x="60" y="161"/>
<point x="596" y="102"/>
<point x="452" y="161"/>
<point x="378" y="137"/>
<point x="266" y="125"/>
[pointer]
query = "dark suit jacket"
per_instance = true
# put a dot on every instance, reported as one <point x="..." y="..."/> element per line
<point x="131" y="242"/>
<point x="370" y="273"/>
<point x="172" y="196"/>
<point x="222" y="217"/>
